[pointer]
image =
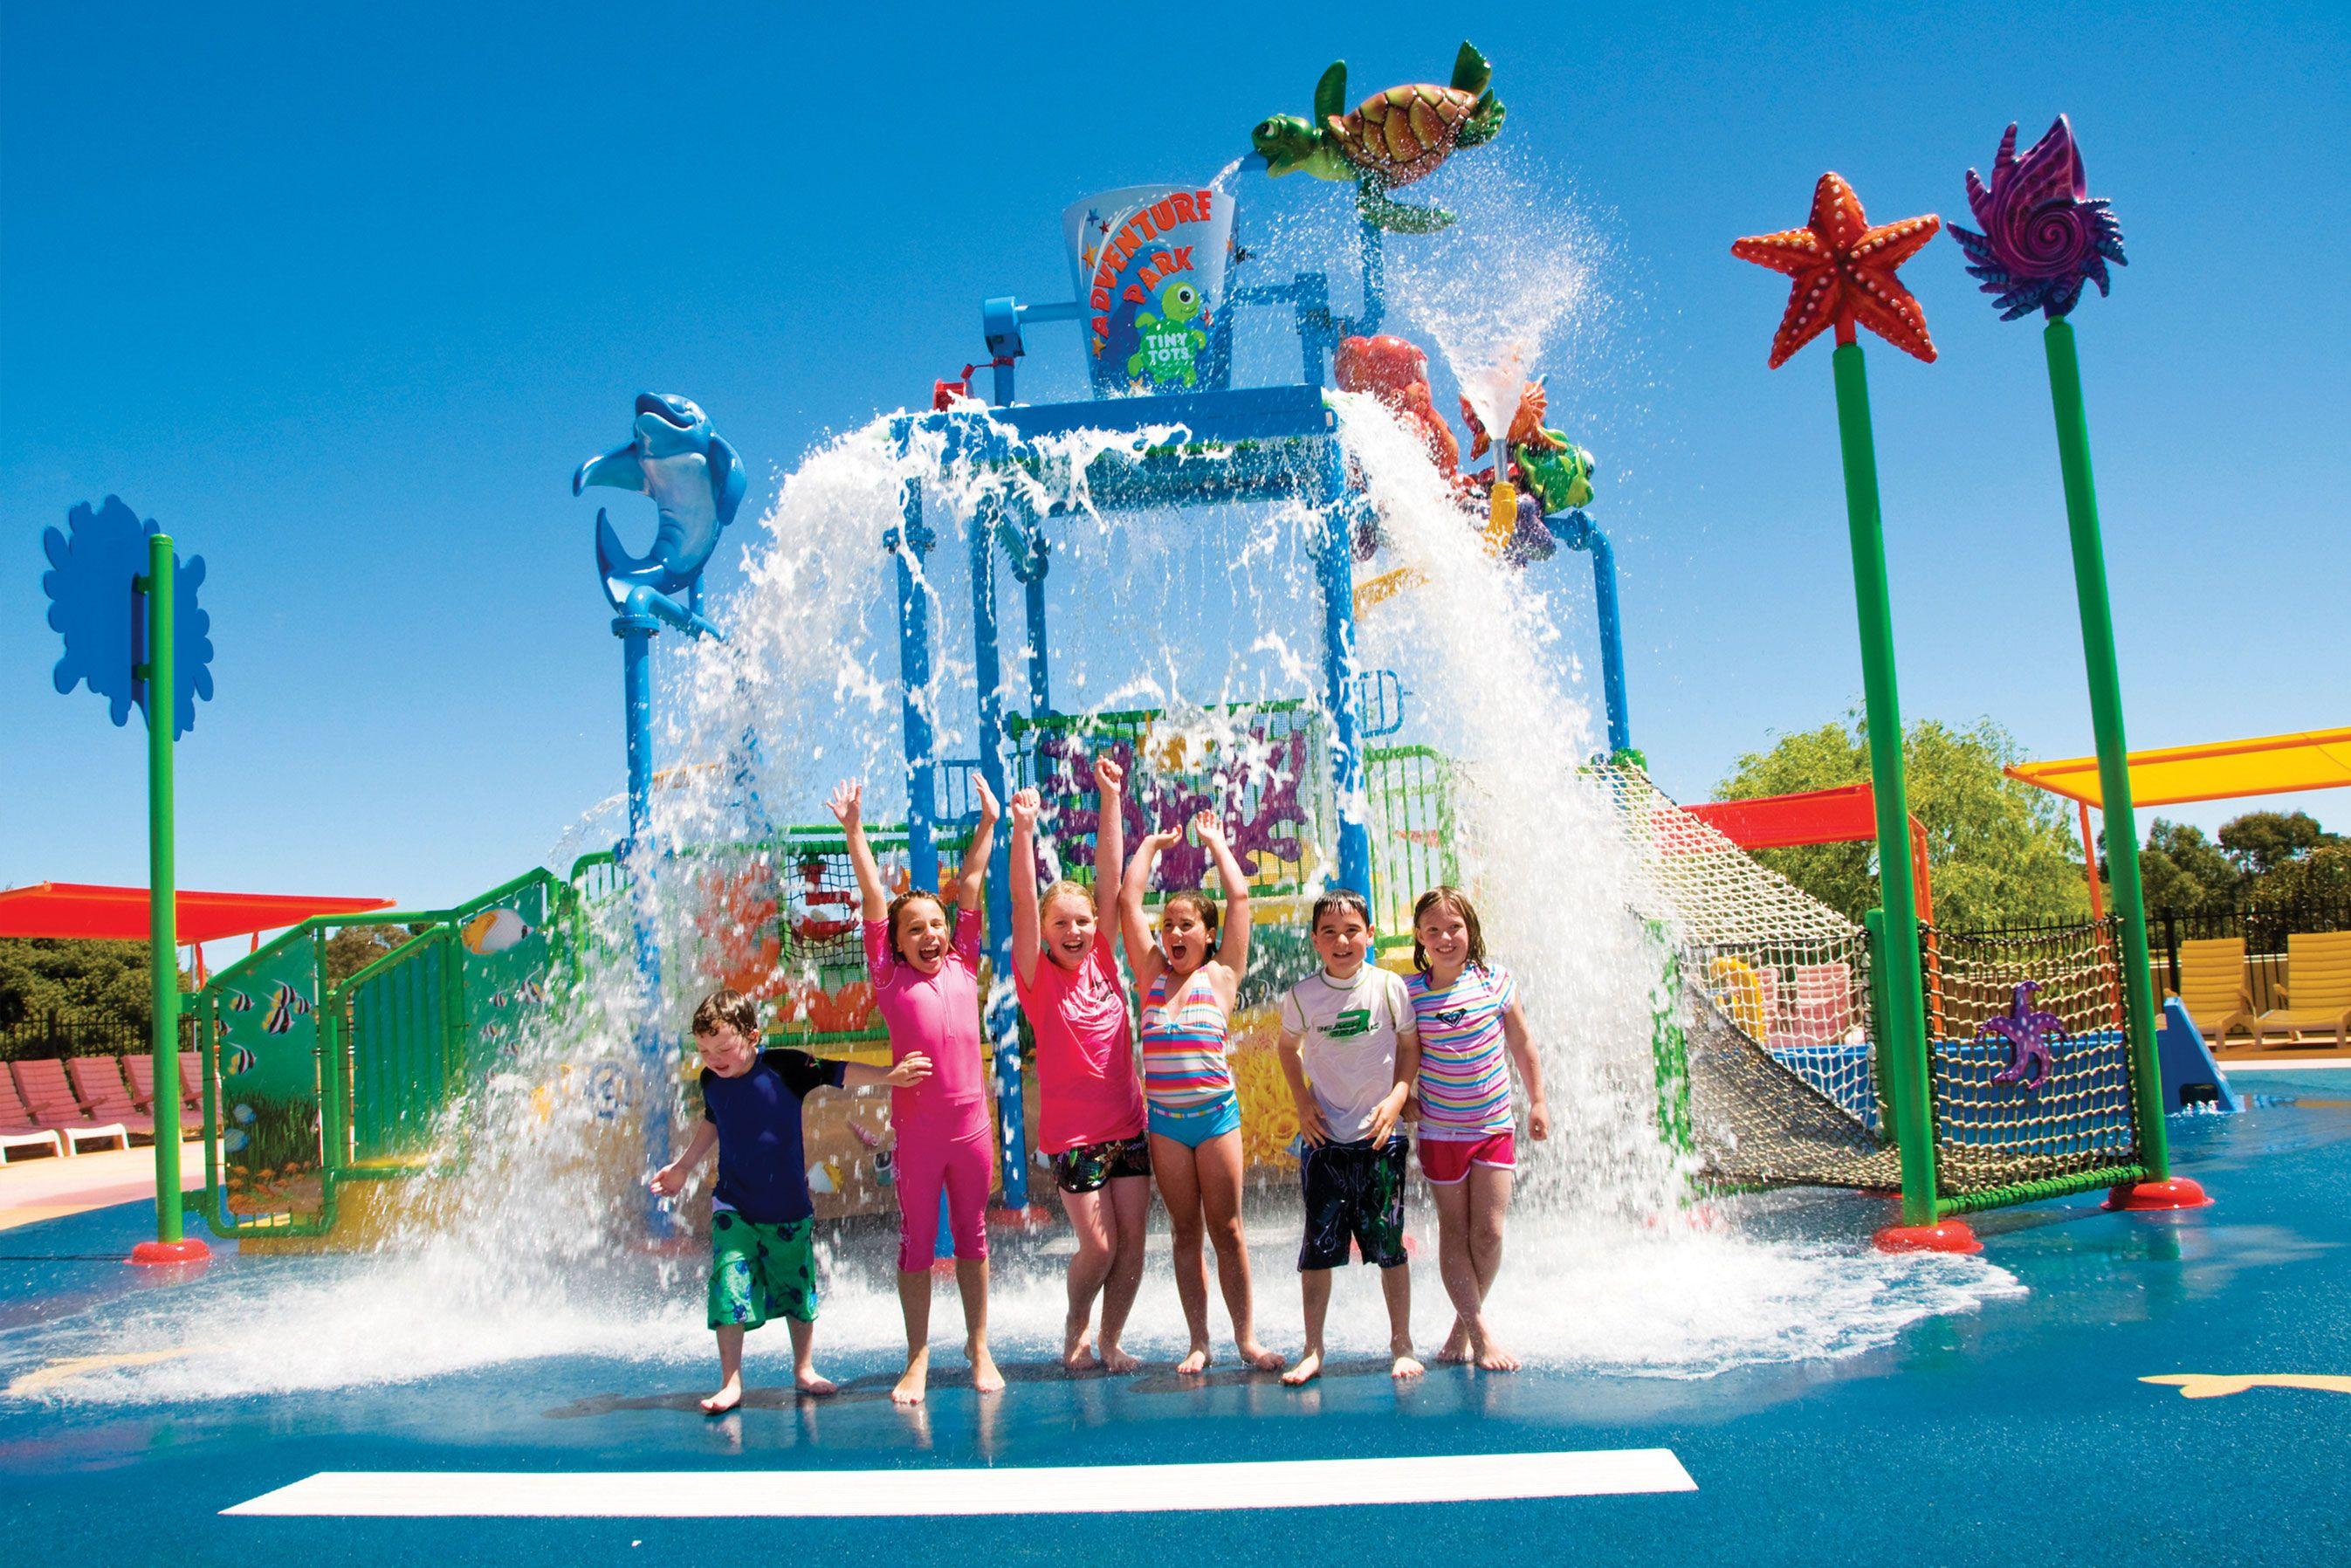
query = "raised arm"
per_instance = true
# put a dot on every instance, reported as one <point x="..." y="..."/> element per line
<point x="1142" y="958"/>
<point x="971" y="883"/>
<point x="1110" y="839"/>
<point x="1233" y="950"/>
<point x="848" y="808"/>
<point x="1027" y="940"/>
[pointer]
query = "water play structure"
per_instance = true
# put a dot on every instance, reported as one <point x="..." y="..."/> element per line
<point x="1771" y="1041"/>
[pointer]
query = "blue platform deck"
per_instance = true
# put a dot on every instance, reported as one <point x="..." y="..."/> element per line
<point x="2020" y="1433"/>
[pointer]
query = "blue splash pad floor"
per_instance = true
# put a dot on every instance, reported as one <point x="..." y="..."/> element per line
<point x="2020" y="1431"/>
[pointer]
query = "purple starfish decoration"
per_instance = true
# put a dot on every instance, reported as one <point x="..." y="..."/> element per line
<point x="2027" y="1030"/>
<point x="2044" y="234"/>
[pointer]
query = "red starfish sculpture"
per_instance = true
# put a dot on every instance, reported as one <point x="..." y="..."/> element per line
<point x="1843" y="269"/>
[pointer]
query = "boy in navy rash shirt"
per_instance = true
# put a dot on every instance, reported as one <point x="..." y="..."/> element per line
<point x="762" y="1263"/>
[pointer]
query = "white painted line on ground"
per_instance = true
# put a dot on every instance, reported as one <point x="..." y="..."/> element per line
<point x="2312" y="1064"/>
<point x="915" y="1492"/>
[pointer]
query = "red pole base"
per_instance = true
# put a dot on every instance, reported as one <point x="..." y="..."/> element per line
<point x="1036" y="1217"/>
<point x="1949" y="1235"/>
<point x="187" y="1250"/>
<point x="2146" y="1196"/>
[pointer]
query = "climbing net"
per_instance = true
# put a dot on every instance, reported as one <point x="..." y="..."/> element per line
<point x="1782" y="1066"/>
<point x="2029" y="1063"/>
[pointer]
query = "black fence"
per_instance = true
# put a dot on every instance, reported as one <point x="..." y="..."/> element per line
<point x="2263" y="929"/>
<point x="83" y="1034"/>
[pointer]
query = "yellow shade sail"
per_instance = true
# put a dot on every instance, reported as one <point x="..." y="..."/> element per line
<point x="2221" y="770"/>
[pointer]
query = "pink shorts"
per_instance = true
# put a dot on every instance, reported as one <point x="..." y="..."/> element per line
<point x="1446" y="1161"/>
<point x="962" y="1163"/>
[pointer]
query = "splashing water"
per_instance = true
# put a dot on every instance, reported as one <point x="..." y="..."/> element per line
<point x="538" y="1250"/>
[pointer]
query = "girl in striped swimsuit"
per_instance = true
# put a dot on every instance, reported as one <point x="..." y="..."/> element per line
<point x="1189" y="986"/>
<point x="1467" y="1013"/>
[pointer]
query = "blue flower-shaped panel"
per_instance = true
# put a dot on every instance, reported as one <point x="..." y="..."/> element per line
<point x="91" y="605"/>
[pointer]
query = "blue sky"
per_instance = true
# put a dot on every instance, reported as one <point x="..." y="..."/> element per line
<point x="343" y="295"/>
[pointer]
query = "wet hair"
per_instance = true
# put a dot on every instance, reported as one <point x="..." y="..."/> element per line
<point x="1446" y="893"/>
<point x="1339" y="898"/>
<point x="726" y="1008"/>
<point x="897" y="908"/>
<point x="1064" y="888"/>
<point x="1202" y="904"/>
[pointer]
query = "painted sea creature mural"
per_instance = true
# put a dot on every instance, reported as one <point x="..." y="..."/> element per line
<point x="493" y="931"/>
<point x="238" y="1002"/>
<point x="697" y="482"/>
<point x="2044" y="235"/>
<point x="286" y="1005"/>
<point x="1390" y="140"/>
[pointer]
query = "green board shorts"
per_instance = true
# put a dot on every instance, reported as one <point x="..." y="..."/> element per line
<point x="759" y="1272"/>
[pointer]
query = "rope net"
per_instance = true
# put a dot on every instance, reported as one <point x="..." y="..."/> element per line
<point x="1782" y="1069"/>
<point x="2031" y="1064"/>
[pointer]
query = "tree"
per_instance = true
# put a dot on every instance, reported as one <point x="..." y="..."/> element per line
<point x="2322" y="877"/>
<point x="1998" y="850"/>
<point x="353" y="947"/>
<point x="2184" y="873"/>
<point x="45" y="975"/>
<point x="2262" y="841"/>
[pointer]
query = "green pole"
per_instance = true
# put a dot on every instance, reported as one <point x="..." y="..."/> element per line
<point x="163" y="928"/>
<point x="1905" y="1026"/>
<point x="2113" y="752"/>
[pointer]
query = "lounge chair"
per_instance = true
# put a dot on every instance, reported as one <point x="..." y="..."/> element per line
<point x="2317" y="992"/>
<point x="97" y="1084"/>
<point x="41" y="1084"/>
<point x="2212" y="987"/>
<point x="17" y="1128"/>
<point x="141" y="1069"/>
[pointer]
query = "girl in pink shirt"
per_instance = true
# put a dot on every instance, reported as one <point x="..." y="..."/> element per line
<point x="1091" y="1117"/>
<point x="926" y="985"/>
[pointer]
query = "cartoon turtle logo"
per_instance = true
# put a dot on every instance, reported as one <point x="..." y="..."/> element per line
<point x="1171" y="344"/>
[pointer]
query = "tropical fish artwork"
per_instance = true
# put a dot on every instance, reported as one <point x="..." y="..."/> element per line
<point x="286" y="1005"/>
<point x="493" y="931"/>
<point x="531" y="991"/>
<point x="240" y="1060"/>
<point x="238" y="1002"/>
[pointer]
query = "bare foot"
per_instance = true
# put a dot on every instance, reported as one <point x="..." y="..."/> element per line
<point x="729" y="1395"/>
<point x="1078" y="1350"/>
<point x="1257" y="1355"/>
<point x="1494" y="1358"/>
<point x="914" y="1381"/>
<point x="1195" y="1363"/>
<point x="1405" y="1365"/>
<point x="809" y="1380"/>
<point x="1113" y="1359"/>
<point x="1455" y="1351"/>
<point x="985" y="1377"/>
<point x="1309" y="1367"/>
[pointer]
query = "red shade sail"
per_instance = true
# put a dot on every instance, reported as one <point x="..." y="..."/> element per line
<point x="79" y="909"/>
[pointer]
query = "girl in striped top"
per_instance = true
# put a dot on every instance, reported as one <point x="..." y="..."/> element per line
<point x="1466" y="1011"/>
<point x="1190" y="980"/>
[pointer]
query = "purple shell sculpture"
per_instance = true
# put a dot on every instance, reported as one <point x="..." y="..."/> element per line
<point x="2044" y="234"/>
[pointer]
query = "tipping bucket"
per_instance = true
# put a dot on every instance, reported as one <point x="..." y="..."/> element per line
<point x="1149" y="263"/>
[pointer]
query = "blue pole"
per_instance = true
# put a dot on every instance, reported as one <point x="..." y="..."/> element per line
<point x="636" y="632"/>
<point x="1041" y="684"/>
<point x="1003" y="1015"/>
<point x="1335" y="570"/>
<point x="910" y="543"/>
<point x="1580" y="532"/>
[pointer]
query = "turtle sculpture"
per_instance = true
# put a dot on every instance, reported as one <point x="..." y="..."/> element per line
<point x="1390" y="139"/>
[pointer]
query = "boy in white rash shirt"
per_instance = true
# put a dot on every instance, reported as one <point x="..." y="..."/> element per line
<point x="1350" y="1052"/>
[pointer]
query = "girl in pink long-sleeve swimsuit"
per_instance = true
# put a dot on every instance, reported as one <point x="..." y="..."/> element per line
<point x="926" y="985"/>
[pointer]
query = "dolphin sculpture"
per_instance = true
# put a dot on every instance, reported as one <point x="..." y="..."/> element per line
<point x="695" y="480"/>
